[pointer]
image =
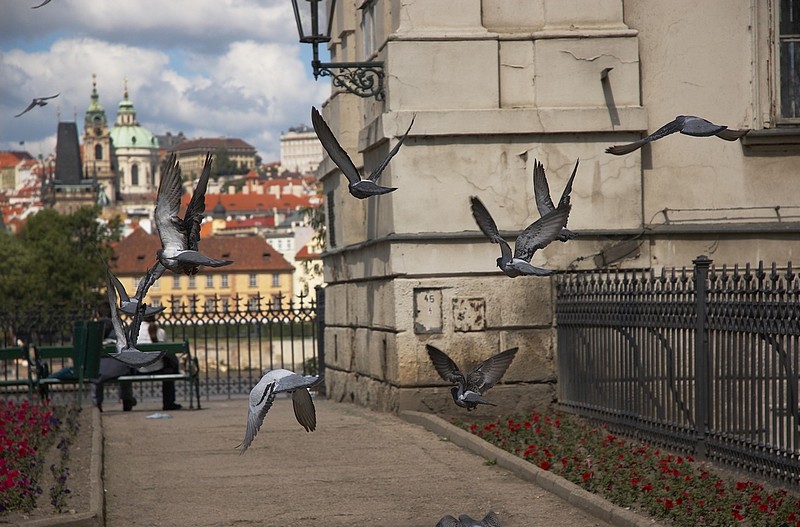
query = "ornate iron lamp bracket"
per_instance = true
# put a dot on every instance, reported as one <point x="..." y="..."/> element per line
<point x="364" y="79"/>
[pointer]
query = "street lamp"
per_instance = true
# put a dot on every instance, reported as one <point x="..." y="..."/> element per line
<point x="364" y="79"/>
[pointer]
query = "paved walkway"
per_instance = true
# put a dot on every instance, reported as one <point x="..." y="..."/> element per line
<point x="360" y="468"/>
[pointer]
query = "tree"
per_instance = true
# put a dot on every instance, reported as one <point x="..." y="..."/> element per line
<point x="57" y="262"/>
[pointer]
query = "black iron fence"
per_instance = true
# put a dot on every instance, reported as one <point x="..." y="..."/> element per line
<point x="705" y="360"/>
<point x="234" y="341"/>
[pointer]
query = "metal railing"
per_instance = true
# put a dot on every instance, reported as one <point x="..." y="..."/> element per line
<point x="705" y="361"/>
<point x="234" y="341"/>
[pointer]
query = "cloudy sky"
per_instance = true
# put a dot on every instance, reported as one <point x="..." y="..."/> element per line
<point x="207" y="68"/>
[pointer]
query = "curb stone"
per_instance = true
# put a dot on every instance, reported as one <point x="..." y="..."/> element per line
<point x="95" y="516"/>
<point x="593" y="504"/>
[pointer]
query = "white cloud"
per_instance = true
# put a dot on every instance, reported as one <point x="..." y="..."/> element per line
<point x="204" y="67"/>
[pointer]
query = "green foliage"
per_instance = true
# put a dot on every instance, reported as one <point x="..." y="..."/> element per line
<point x="223" y="165"/>
<point x="56" y="259"/>
<point x="316" y="220"/>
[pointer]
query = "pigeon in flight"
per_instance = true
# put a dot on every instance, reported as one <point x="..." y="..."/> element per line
<point x="471" y="387"/>
<point x="129" y="305"/>
<point x="40" y="5"/>
<point x="541" y="191"/>
<point x="536" y="236"/>
<point x="180" y="237"/>
<point x="490" y="520"/>
<point x="263" y="395"/>
<point x="126" y="340"/>
<point x="37" y="101"/>
<point x="685" y="124"/>
<point x="359" y="188"/>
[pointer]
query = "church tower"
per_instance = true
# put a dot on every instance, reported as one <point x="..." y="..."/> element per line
<point x="136" y="154"/>
<point x="98" y="154"/>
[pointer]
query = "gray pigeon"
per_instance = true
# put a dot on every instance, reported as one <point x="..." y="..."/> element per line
<point x="359" y="188"/>
<point x="129" y="305"/>
<point x="37" y="101"/>
<point x="490" y="520"/>
<point x="685" y="124"/>
<point x="42" y="4"/>
<point x="536" y="236"/>
<point x="263" y="395"/>
<point x="544" y="203"/>
<point x="471" y="387"/>
<point x="126" y="340"/>
<point x="180" y="237"/>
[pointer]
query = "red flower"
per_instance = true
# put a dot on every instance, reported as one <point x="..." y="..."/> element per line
<point x="586" y="476"/>
<point x="737" y="516"/>
<point x="544" y="465"/>
<point x="668" y="504"/>
<point x="741" y="485"/>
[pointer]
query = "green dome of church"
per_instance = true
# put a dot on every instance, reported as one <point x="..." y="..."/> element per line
<point x="127" y="133"/>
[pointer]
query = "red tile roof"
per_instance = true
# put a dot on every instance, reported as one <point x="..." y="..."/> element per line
<point x="241" y="202"/>
<point x="137" y="252"/>
<point x="213" y="143"/>
<point x="305" y="254"/>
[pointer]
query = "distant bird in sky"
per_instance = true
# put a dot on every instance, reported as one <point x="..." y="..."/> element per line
<point x="685" y="124"/>
<point x="129" y="305"/>
<point x="359" y="188"/>
<point x="263" y="395"/>
<point x="42" y="4"/>
<point x="180" y="237"/>
<point x="544" y="203"/>
<point x="37" y="101"/>
<point x="470" y="387"/>
<point x="126" y="339"/>
<point x="536" y="236"/>
<point x="490" y="520"/>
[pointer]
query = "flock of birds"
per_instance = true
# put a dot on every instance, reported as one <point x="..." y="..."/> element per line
<point x="180" y="254"/>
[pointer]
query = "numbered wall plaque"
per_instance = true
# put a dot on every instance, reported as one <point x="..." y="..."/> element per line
<point x="427" y="310"/>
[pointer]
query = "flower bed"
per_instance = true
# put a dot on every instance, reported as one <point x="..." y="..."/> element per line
<point x="28" y="431"/>
<point x="637" y="475"/>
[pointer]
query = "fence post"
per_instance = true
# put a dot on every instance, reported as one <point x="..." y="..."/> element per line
<point x="320" y="290"/>
<point x="702" y="383"/>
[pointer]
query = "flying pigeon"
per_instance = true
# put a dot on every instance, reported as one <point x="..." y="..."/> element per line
<point x="126" y="340"/>
<point x="37" y="101"/>
<point x="40" y="5"/>
<point x="685" y="124"/>
<point x="471" y="387"/>
<point x="536" y="236"/>
<point x="129" y="305"/>
<point x="490" y="520"/>
<point x="263" y="395"/>
<point x="542" y="192"/>
<point x="359" y="188"/>
<point x="180" y="237"/>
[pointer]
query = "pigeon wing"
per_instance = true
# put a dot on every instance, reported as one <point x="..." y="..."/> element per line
<point x="304" y="410"/>
<point x="491" y="520"/>
<point x="153" y="274"/>
<point x="490" y="371"/>
<point x="484" y="220"/>
<point x="541" y="232"/>
<point x="541" y="190"/>
<point x="334" y="149"/>
<point x="197" y="206"/>
<point x="116" y="322"/>
<point x="196" y="258"/>
<point x="52" y="96"/>
<point x="449" y="521"/>
<point x="670" y="128"/>
<point x="168" y="201"/>
<point x="30" y="106"/>
<point x="261" y="398"/>
<point x="565" y="196"/>
<point x="445" y="367"/>
<point x="112" y="279"/>
<point x="379" y="169"/>
<point x="732" y="135"/>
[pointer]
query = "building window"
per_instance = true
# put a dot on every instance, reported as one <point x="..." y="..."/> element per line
<point x="134" y="175"/>
<point x="210" y="306"/>
<point x="224" y="280"/>
<point x="252" y="303"/>
<point x="192" y="282"/>
<point x="276" y="302"/>
<point x="98" y="151"/>
<point x="226" y="305"/>
<point x="209" y="280"/>
<point x="253" y="280"/>
<point x="276" y="280"/>
<point x="155" y="302"/>
<point x="176" y="282"/>
<point x="789" y="59"/>
<point x="193" y="304"/>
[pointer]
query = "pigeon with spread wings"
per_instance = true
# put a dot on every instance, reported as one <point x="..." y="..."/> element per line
<point x="263" y="395"/>
<point x="544" y="203"/>
<point x="536" y="236"/>
<point x="470" y="387"/>
<point x="180" y="237"/>
<point x="126" y="339"/>
<point x="129" y="305"/>
<point x="490" y="520"/>
<point x="685" y="124"/>
<point x="359" y="188"/>
<point x="37" y="101"/>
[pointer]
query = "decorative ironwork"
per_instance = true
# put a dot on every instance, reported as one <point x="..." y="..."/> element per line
<point x="364" y="79"/>
<point x="704" y="361"/>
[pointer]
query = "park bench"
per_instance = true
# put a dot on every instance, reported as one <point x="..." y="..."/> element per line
<point x="13" y="376"/>
<point x="189" y="367"/>
<point x="83" y="354"/>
